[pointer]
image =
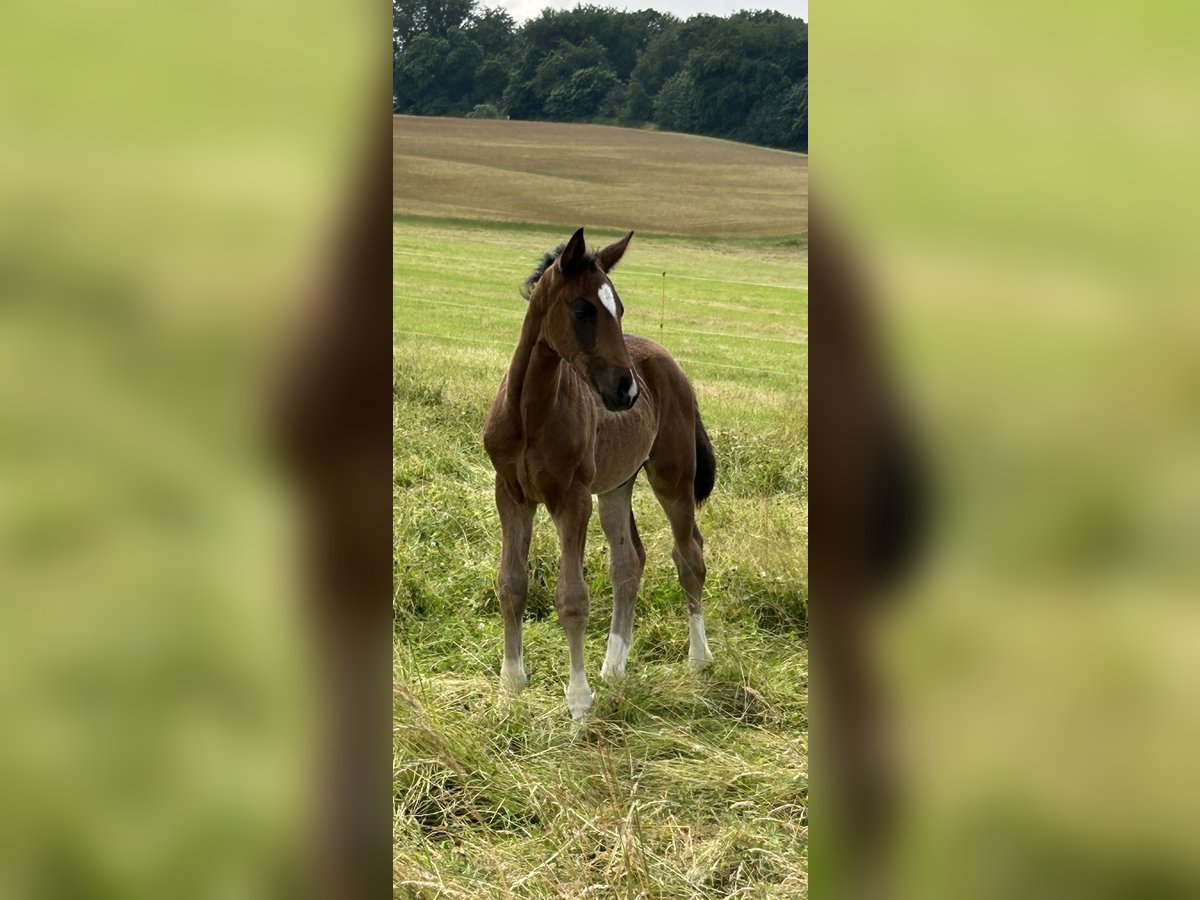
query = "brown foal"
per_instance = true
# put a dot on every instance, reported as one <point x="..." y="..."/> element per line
<point x="582" y="409"/>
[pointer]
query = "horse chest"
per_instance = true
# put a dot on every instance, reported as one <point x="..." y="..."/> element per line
<point x="551" y="460"/>
<point x="622" y="445"/>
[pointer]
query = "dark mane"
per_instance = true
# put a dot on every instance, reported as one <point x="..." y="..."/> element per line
<point x="547" y="262"/>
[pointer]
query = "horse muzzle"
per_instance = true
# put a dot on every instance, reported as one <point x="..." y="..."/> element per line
<point x="621" y="395"/>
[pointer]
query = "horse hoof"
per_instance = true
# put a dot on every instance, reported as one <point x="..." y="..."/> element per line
<point x="512" y="681"/>
<point x="611" y="674"/>
<point x="579" y="713"/>
<point x="700" y="663"/>
<point x="579" y="702"/>
<point x="613" y="669"/>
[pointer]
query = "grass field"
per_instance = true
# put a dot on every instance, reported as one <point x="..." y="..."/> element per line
<point x="677" y="785"/>
<point x="617" y="177"/>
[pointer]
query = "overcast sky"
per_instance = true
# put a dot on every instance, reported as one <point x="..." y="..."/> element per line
<point x="527" y="9"/>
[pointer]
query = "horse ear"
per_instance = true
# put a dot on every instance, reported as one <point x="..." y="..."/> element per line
<point x="574" y="254"/>
<point x="611" y="255"/>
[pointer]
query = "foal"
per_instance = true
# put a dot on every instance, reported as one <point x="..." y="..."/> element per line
<point x="582" y="409"/>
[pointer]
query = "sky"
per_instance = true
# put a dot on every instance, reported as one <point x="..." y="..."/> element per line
<point x="527" y="9"/>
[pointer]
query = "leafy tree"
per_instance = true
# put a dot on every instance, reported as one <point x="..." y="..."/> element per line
<point x="664" y="55"/>
<point x="675" y="106"/>
<point x="621" y="34"/>
<point x="484" y="111"/>
<point x="638" y="106"/>
<point x="613" y="103"/>
<point x="439" y="18"/>
<point x="436" y="75"/>
<point x="442" y="17"/>
<point x="519" y="100"/>
<point x="566" y="58"/>
<point x="768" y="122"/>
<point x="494" y="31"/>
<point x="579" y="99"/>
<point x="796" y="105"/>
<point x="491" y="79"/>
<point x="744" y="76"/>
<point x="745" y="60"/>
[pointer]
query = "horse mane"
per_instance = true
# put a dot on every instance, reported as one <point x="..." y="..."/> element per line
<point x="547" y="261"/>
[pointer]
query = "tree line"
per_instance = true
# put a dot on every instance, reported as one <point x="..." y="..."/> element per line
<point x="744" y="77"/>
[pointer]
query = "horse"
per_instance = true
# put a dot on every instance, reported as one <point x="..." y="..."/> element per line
<point x="582" y="409"/>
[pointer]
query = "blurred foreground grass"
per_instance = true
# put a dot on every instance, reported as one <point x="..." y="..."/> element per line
<point x="161" y="206"/>
<point x="1022" y="193"/>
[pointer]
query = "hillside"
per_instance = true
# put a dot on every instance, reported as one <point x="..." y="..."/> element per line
<point x="595" y="175"/>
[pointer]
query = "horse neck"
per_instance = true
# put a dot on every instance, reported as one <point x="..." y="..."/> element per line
<point x="533" y="374"/>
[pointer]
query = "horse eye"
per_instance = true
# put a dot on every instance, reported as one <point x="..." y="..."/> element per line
<point x="584" y="310"/>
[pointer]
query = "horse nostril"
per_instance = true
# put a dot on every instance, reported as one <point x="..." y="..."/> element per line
<point x="623" y="386"/>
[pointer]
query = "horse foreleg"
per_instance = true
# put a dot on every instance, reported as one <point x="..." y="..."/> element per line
<point x="571" y="514"/>
<point x="516" y="523"/>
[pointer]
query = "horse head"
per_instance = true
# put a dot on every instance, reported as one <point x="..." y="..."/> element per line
<point x="581" y="317"/>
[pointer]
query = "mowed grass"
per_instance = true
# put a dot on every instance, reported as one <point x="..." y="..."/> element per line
<point x="677" y="785"/>
<point x="624" y="178"/>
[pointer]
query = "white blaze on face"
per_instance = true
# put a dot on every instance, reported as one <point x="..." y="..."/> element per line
<point x="607" y="298"/>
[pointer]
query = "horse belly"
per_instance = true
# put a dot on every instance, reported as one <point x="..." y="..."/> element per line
<point x="623" y="442"/>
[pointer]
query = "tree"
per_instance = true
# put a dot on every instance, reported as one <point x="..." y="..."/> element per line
<point x="494" y="31"/>
<point x="411" y="18"/>
<point x="491" y="78"/>
<point x="484" y="111"/>
<point x="565" y="59"/>
<point x="442" y="17"/>
<point x="612" y="104"/>
<point x="638" y="106"/>
<point x="435" y="76"/>
<point x="675" y="105"/>
<point x="519" y="101"/>
<point x="580" y="98"/>
<point x="796" y="105"/>
<point x="743" y="77"/>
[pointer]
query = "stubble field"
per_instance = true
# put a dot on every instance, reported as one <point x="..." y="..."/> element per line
<point x="539" y="172"/>
<point x="678" y="785"/>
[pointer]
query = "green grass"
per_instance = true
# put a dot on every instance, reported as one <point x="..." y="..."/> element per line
<point x="677" y="785"/>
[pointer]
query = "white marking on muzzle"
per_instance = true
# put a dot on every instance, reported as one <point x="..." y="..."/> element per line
<point x="607" y="298"/>
<point x="633" y="388"/>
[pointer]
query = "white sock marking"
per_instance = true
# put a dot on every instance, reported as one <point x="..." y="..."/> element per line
<point x="512" y="674"/>
<point x="607" y="298"/>
<point x="579" y="695"/>
<point x="698" y="651"/>
<point x="614" y="660"/>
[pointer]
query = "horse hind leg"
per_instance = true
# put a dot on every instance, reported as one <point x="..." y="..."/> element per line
<point x="676" y="495"/>
<point x="626" y="561"/>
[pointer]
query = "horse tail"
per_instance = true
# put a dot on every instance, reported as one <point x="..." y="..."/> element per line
<point x="706" y="462"/>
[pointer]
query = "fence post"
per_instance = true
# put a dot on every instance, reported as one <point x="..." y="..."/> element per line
<point x="663" y="313"/>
